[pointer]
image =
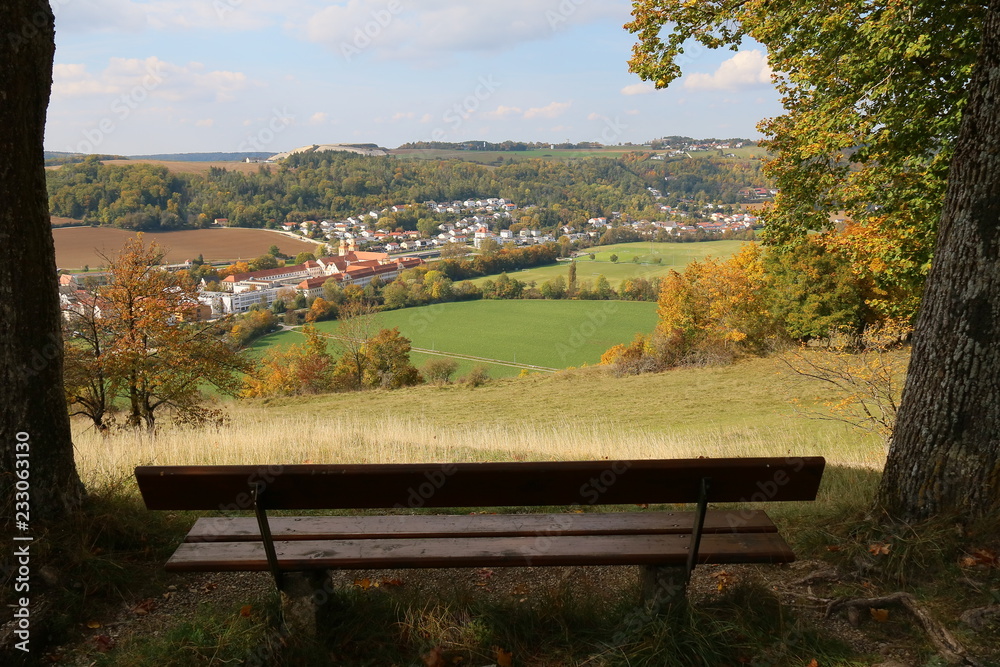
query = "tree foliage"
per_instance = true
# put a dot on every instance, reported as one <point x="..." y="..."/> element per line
<point x="136" y="342"/>
<point x="872" y="95"/>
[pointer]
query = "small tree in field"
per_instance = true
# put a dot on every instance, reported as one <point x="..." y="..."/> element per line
<point x="136" y="336"/>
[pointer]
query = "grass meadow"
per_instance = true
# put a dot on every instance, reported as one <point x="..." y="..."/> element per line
<point x="745" y="409"/>
<point x="552" y="334"/>
<point x="635" y="260"/>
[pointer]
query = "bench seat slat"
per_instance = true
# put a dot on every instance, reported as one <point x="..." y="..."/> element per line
<point x="481" y="552"/>
<point x="234" y="529"/>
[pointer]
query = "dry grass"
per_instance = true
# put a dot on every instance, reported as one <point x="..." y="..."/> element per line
<point x="256" y="436"/>
<point x="194" y="167"/>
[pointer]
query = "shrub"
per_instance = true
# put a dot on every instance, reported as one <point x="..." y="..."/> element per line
<point x="439" y="371"/>
<point x="477" y="377"/>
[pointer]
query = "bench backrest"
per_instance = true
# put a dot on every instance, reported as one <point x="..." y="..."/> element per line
<point x="415" y="485"/>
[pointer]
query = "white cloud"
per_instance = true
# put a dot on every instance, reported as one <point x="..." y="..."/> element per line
<point x="638" y="89"/>
<point x="595" y="116"/>
<point x="317" y="118"/>
<point x="502" y="112"/>
<point x="403" y="115"/>
<point x="133" y="80"/>
<point x="418" y="31"/>
<point x="552" y="110"/>
<point x="205" y="122"/>
<point x="747" y="69"/>
<point x="76" y="16"/>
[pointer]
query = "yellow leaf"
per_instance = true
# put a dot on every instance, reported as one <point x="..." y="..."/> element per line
<point x="363" y="584"/>
<point x="880" y="615"/>
<point x="93" y="625"/>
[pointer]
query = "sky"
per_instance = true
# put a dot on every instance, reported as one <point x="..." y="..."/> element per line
<point x="136" y="77"/>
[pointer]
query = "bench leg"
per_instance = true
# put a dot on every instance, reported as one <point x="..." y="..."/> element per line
<point x="302" y="594"/>
<point x="662" y="586"/>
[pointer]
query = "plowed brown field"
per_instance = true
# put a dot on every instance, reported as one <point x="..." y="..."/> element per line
<point x="83" y="246"/>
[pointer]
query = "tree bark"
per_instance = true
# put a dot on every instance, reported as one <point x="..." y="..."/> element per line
<point x="32" y="402"/>
<point x="944" y="458"/>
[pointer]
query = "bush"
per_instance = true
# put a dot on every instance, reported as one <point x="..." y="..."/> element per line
<point x="439" y="371"/>
<point x="477" y="377"/>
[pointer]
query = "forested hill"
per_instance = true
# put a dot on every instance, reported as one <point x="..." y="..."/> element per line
<point x="322" y="185"/>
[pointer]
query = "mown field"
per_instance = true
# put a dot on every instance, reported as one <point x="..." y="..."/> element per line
<point x="552" y="334"/>
<point x="671" y="255"/>
<point x="77" y="247"/>
<point x="492" y="157"/>
<point x="194" y="167"/>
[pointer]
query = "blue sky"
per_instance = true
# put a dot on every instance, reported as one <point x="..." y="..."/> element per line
<point x="166" y="76"/>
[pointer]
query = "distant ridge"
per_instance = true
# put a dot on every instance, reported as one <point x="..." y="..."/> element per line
<point x="372" y="150"/>
<point x="202" y="157"/>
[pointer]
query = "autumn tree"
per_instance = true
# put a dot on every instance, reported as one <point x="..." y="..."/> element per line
<point x="715" y="310"/>
<point x="32" y="403"/>
<point x="305" y="368"/>
<point x="147" y="346"/>
<point x="892" y="113"/>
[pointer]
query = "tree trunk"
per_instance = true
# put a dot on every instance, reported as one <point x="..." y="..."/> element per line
<point x="32" y="404"/>
<point x="945" y="451"/>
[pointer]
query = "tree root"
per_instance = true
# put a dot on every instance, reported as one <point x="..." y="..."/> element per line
<point x="979" y="617"/>
<point x="947" y="646"/>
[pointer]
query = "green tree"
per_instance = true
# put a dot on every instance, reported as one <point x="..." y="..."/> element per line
<point x="872" y="95"/>
<point x="613" y="258"/>
<point x="886" y="106"/>
<point x="264" y="262"/>
<point x="303" y="257"/>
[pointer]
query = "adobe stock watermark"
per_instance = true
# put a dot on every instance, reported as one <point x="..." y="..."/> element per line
<point x="612" y="130"/>
<point x="33" y="26"/>
<point x="278" y="123"/>
<point x="225" y="7"/>
<point x="583" y="332"/>
<point x="456" y="115"/>
<point x="365" y="35"/>
<point x="562" y="12"/>
<point x="121" y="108"/>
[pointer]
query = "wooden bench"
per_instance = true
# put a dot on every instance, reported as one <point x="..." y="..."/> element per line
<point x="667" y="542"/>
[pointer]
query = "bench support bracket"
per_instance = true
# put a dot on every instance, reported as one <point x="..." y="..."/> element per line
<point x="265" y="533"/>
<point x="699" y="524"/>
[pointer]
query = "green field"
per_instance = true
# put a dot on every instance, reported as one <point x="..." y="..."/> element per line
<point x="552" y="334"/>
<point x="672" y="256"/>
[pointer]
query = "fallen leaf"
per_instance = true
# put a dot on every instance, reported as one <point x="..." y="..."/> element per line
<point x="245" y="610"/>
<point x="104" y="643"/>
<point x="144" y="607"/>
<point x="209" y="587"/>
<point x="986" y="557"/>
<point x="833" y="547"/>
<point x="876" y="549"/>
<point x="520" y="589"/>
<point x="93" y="625"/>
<point x="813" y="663"/>
<point x="723" y="576"/>
<point x="391" y="582"/>
<point x="504" y="658"/>
<point x="363" y="584"/>
<point x="968" y="561"/>
<point x="484" y="573"/>
<point x="434" y="658"/>
<point x="880" y="615"/>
